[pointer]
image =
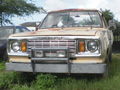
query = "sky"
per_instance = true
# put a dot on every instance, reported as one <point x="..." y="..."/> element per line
<point x="49" y="5"/>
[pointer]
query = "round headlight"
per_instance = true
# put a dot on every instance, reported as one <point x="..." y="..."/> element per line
<point x="92" y="46"/>
<point x="15" y="46"/>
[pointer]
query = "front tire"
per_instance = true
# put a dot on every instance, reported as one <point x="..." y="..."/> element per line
<point x="110" y="56"/>
<point x="106" y="73"/>
<point x="5" y="56"/>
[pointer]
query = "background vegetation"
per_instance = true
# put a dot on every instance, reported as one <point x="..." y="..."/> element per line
<point x="11" y="8"/>
<point x="29" y="81"/>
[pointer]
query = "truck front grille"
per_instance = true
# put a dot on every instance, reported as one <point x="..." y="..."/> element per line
<point x="71" y="44"/>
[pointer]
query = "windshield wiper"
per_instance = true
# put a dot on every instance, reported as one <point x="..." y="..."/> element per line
<point x="91" y="20"/>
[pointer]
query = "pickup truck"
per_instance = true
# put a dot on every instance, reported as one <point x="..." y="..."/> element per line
<point x="68" y="41"/>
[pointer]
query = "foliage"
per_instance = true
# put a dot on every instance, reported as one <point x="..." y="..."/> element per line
<point x="9" y="79"/>
<point x="107" y="14"/>
<point x="24" y="87"/>
<point x="116" y="32"/>
<point x="45" y="81"/>
<point x="2" y="66"/>
<point x="10" y="8"/>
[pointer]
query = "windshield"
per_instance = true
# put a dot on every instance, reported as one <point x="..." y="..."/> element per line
<point x="5" y="32"/>
<point x="72" y="19"/>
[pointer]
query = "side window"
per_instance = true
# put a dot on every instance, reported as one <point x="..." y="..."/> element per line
<point x="17" y="30"/>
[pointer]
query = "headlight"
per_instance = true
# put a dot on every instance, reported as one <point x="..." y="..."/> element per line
<point x="92" y="46"/>
<point x="15" y="46"/>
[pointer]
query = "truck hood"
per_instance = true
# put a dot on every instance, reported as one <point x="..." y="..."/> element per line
<point x="58" y="32"/>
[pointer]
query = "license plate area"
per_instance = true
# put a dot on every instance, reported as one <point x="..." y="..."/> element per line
<point x="51" y="54"/>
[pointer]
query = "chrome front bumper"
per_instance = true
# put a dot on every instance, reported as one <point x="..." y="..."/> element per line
<point x="57" y="68"/>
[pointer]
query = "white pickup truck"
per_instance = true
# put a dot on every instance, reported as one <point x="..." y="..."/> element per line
<point x="68" y="41"/>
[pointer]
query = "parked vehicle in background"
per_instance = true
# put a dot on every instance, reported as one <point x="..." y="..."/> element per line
<point x="5" y="32"/>
<point x="68" y="41"/>
<point x="32" y="26"/>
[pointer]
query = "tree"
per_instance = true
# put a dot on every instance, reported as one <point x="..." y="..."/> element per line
<point x="107" y="14"/>
<point x="10" y="8"/>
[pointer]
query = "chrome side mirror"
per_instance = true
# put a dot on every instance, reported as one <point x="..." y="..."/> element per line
<point x="112" y="25"/>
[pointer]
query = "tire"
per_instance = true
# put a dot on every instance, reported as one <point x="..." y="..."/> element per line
<point x="106" y="74"/>
<point x="5" y="56"/>
<point x="110" y="56"/>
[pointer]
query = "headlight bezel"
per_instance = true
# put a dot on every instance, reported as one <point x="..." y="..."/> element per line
<point x="87" y="51"/>
<point x="11" y="47"/>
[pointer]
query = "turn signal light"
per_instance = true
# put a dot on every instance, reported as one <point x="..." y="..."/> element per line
<point x="23" y="46"/>
<point x="82" y="46"/>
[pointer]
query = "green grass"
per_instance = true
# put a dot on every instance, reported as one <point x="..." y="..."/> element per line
<point x="29" y="81"/>
<point x="2" y="66"/>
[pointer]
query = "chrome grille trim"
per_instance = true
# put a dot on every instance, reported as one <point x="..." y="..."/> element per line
<point x="65" y="37"/>
<point x="57" y="43"/>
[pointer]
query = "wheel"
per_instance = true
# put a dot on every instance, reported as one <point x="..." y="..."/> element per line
<point x="5" y="56"/>
<point x="106" y="74"/>
<point x="110" y="56"/>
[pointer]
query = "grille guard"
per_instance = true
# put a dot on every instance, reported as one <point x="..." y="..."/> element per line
<point x="66" y="59"/>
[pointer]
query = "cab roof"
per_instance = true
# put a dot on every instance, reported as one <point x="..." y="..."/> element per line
<point x="64" y="10"/>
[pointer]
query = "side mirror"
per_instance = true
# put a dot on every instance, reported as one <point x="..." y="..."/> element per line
<point x="37" y="29"/>
<point x="112" y="25"/>
<point x="38" y="24"/>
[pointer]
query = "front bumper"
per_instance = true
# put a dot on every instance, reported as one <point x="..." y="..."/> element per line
<point x="57" y="68"/>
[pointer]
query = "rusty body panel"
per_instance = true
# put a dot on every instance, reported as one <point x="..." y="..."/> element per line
<point x="19" y="59"/>
<point x="61" y="32"/>
<point x="78" y="60"/>
<point x="66" y="10"/>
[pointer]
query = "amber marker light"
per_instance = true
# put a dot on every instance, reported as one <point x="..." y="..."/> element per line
<point x="81" y="46"/>
<point x="23" y="46"/>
